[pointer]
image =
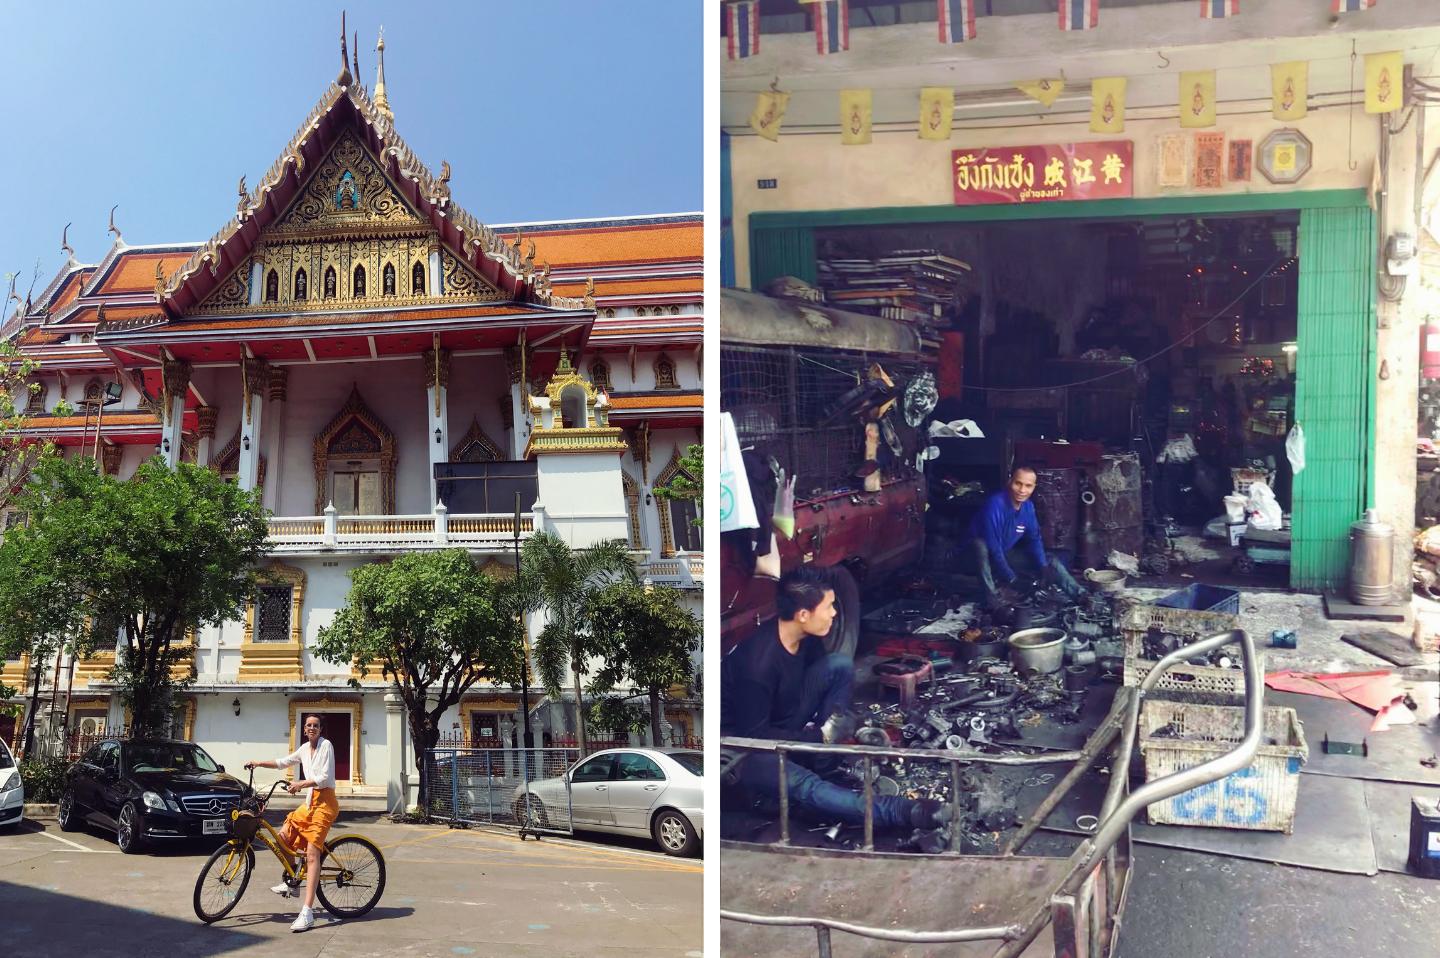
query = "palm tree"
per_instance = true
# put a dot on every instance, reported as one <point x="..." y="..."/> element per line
<point x="562" y="580"/>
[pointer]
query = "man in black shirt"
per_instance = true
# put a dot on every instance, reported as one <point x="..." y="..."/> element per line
<point x="780" y="684"/>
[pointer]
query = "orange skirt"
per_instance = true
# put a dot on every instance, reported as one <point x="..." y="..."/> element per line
<point x="312" y="820"/>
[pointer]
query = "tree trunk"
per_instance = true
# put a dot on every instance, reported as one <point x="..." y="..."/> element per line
<point x="579" y="709"/>
<point x="29" y="741"/>
<point x="420" y="741"/>
<point x="655" y="718"/>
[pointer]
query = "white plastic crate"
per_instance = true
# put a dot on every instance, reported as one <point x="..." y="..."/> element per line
<point x="1241" y="478"/>
<point x="1191" y="626"/>
<point x="1259" y="797"/>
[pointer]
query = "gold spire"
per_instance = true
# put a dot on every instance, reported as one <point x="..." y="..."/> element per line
<point x="344" y="79"/>
<point x="382" y="103"/>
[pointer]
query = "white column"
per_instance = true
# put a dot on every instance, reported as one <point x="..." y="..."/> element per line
<point x="173" y="431"/>
<point x="257" y="282"/>
<point x="255" y="382"/>
<point x="437" y="278"/>
<point x="439" y="445"/>
<point x="396" y="797"/>
<point x="521" y="433"/>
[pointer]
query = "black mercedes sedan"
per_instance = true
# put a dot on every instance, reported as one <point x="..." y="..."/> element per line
<point x="149" y="790"/>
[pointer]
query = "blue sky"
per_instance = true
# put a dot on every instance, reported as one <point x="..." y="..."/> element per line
<point x="546" y="109"/>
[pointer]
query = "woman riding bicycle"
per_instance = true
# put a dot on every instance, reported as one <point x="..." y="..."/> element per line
<point x="307" y="826"/>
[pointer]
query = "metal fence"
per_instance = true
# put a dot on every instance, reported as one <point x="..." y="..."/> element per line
<point x="513" y="787"/>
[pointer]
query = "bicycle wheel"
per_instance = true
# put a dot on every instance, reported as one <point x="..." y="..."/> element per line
<point x="352" y="876"/>
<point x="222" y="881"/>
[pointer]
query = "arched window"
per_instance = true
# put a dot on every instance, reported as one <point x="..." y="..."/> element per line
<point x="329" y="282"/>
<point x="665" y="373"/>
<point x="387" y="279"/>
<point x="417" y="280"/>
<point x="272" y="287"/>
<point x="674" y="310"/>
<point x="358" y="287"/>
<point x="302" y="286"/>
<point x="639" y="310"/>
<point x="609" y="312"/>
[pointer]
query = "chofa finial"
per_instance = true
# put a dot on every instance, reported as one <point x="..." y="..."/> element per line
<point x="112" y="228"/>
<point x="64" y="243"/>
<point x="345" y="79"/>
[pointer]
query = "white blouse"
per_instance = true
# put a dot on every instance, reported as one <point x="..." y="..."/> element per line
<point x="317" y="765"/>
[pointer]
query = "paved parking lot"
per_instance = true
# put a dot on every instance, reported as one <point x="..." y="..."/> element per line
<point x="480" y="892"/>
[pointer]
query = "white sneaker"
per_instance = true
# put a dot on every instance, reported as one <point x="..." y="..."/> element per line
<point x="285" y="891"/>
<point x="304" y="921"/>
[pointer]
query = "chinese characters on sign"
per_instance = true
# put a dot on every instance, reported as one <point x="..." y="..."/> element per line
<point x="1027" y="174"/>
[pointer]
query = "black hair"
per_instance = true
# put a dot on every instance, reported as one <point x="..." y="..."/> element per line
<point x="801" y="590"/>
<point x="1021" y="467"/>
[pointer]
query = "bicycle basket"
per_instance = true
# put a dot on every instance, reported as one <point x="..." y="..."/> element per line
<point x="246" y="824"/>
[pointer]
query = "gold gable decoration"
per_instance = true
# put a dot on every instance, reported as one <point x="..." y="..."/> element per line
<point x="476" y="446"/>
<point x="348" y="218"/>
<point x="595" y="434"/>
<point x="667" y="531"/>
<point x="496" y="569"/>
<point x="371" y="440"/>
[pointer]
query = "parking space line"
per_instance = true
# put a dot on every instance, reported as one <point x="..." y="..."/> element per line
<point x="77" y="845"/>
<point x="656" y="865"/>
<point x="594" y="867"/>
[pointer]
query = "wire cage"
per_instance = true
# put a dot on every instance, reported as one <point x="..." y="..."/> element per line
<point x="782" y="400"/>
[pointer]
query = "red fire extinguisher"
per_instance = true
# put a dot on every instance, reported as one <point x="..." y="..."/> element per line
<point x="1430" y="351"/>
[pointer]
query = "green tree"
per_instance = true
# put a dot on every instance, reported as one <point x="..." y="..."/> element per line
<point x="434" y="625"/>
<point x="562" y="581"/>
<point x="646" y="637"/>
<point x="18" y="453"/>
<point x="683" y="486"/>
<point x="151" y="559"/>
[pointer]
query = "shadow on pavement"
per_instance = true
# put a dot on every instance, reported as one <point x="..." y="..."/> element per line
<point x="41" y="924"/>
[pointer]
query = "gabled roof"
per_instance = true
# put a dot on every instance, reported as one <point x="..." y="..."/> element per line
<point x="520" y="277"/>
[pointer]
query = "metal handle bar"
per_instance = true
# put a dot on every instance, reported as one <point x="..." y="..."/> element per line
<point x="1177" y="783"/>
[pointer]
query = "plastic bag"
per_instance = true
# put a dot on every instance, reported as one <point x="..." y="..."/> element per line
<point x="956" y="429"/>
<point x="1178" y="450"/>
<point x="784" y="515"/>
<point x="920" y="398"/>
<point x="1295" y="449"/>
<point x="737" y="508"/>
<point x="1263" y="509"/>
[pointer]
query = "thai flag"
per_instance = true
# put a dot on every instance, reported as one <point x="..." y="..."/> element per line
<point x="1214" y="9"/>
<point x="743" y="26"/>
<point x="1079" y="14"/>
<point x="1350" y="6"/>
<point x="957" y="20"/>
<point x="832" y="26"/>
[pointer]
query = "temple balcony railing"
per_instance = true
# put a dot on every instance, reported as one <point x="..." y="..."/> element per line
<point x="329" y="533"/>
<point x="680" y="572"/>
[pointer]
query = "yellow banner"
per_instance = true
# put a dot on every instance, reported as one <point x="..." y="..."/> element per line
<point x="854" y="117"/>
<point x="937" y="112"/>
<point x="1289" y="86"/>
<point x="1043" y="90"/>
<point x="1107" y="105"/>
<point x="769" y="111"/>
<point x="1384" y="81"/>
<point x="1197" y="98"/>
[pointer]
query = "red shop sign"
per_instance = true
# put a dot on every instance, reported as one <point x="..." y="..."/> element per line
<point x="1029" y="174"/>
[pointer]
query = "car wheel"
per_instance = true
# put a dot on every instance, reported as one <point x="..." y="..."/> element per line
<point x="674" y="834"/>
<point x="70" y="821"/>
<point x="538" y="816"/>
<point x="127" y="831"/>
<point x="844" y="634"/>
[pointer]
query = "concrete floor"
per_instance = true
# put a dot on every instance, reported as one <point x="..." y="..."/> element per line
<point x="479" y="892"/>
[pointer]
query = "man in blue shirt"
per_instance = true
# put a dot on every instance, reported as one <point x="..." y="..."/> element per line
<point x="1005" y="533"/>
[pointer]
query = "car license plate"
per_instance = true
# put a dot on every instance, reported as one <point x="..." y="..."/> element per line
<point x="213" y="826"/>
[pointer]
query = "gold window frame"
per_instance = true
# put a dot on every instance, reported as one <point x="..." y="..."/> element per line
<point x="356" y="708"/>
<point x="276" y="661"/>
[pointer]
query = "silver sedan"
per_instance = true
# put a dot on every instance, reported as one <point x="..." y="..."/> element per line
<point x="657" y="792"/>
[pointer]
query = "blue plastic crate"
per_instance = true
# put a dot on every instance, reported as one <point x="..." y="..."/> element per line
<point x="1203" y="598"/>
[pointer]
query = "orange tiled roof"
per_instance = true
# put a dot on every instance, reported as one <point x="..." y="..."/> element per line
<point x="114" y="419"/>
<point x="324" y="319"/>
<point x="36" y="336"/>
<point x="672" y="399"/>
<point x="636" y="287"/>
<point x="609" y="329"/>
<point x="69" y="291"/>
<point x="618" y="244"/>
<point x="86" y="314"/>
<point x="135" y="273"/>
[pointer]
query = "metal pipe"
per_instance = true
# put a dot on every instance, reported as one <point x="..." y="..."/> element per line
<point x="869" y="808"/>
<point x="784" y="799"/>
<point x="822" y="939"/>
<point x="955" y="817"/>
<point x="770" y="745"/>
<point x="997" y="932"/>
<point x="1180" y="782"/>
<point x="1101" y="738"/>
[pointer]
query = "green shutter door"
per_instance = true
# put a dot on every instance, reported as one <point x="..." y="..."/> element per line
<point x="1334" y="390"/>
<point x="789" y="251"/>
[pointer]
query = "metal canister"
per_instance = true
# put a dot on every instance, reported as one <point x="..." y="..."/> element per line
<point x="1372" y="544"/>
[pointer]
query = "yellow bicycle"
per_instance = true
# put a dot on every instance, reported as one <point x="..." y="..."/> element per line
<point x="352" y="869"/>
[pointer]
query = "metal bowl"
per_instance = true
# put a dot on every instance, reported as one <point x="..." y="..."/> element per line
<point x="1038" y="651"/>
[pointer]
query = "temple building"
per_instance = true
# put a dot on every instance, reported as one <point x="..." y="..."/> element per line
<point x="390" y="372"/>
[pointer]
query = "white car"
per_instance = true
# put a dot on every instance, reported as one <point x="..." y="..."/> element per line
<point x="12" y="790"/>
<point x="657" y="792"/>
